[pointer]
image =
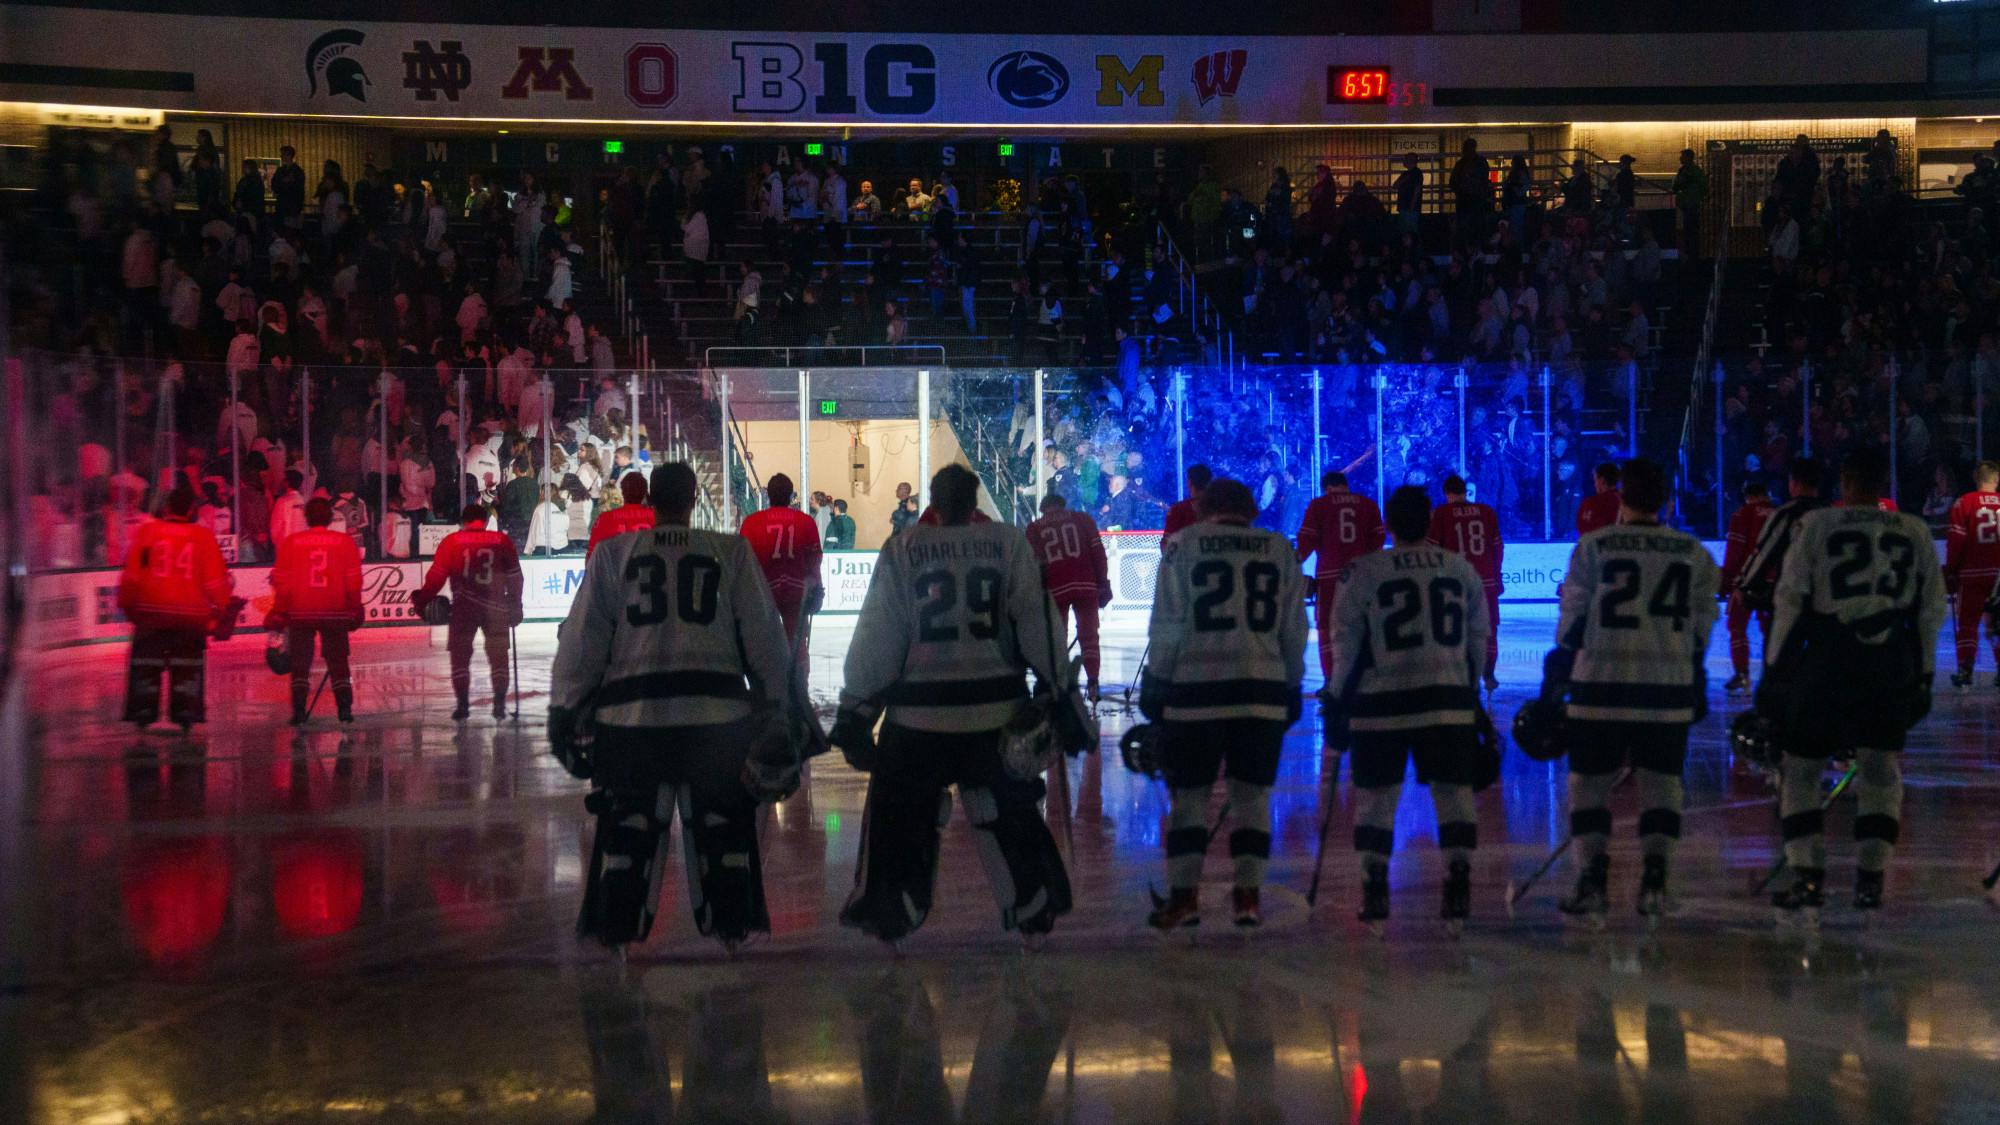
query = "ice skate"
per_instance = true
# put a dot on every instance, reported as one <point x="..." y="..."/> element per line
<point x="1868" y="891"/>
<point x="1800" y="904"/>
<point x="499" y="709"/>
<point x="1249" y="912"/>
<point x="1180" y="909"/>
<point x="1738" y="684"/>
<point x="347" y="714"/>
<point x="1375" y="902"/>
<point x="1457" y="897"/>
<point x="298" y="718"/>
<point x="1653" y="901"/>
<point x="1589" y="903"/>
<point x="1962" y="679"/>
<point x="1492" y="683"/>
<point x="461" y="712"/>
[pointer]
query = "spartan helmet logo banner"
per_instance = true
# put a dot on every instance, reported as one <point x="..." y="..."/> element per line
<point x="331" y="58"/>
<point x="1216" y="74"/>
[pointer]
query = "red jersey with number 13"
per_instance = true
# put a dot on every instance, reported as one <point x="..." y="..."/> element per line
<point x="1972" y="539"/>
<point x="786" y="543"/>
<point x="1472" y="532"/>
<point x="482" y="566"/>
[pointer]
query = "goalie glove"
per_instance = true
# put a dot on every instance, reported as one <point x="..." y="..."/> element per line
<point x="854" y="735"/>
<point x="568" y="742"/>
<point x="1152" y="696"/>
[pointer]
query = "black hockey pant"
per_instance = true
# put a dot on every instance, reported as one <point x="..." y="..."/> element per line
<point x="333" y="644"/>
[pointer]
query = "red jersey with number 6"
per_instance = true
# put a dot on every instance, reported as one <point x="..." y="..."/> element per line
<point x="1071" y="551"/>
<point x="317" y="578"/>
<point x="482" y="567"/>
<point x="1340" y="528"/>
<point x="1472" y="532"/>
<point x="786" y="543"/>
<point x="1972" y="539"/>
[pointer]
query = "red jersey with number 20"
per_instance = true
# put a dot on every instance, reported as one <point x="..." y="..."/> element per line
<point x="1972" y="539"/>
<point x="1340" y="528"/>
<point x="482" y="567"/>
<point x="1071" y="551"/>
<point x="786" y="543"/>
<point x="1472" y="532"/>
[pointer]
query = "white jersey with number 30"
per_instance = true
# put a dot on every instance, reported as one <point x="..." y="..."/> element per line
<point x="1638" y="602"/>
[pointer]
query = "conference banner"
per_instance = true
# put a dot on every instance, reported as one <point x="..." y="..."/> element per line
<point x="750" y="79"/>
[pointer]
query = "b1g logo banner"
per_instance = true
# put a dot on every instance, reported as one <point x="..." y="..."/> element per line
<point x="427" y="71"/>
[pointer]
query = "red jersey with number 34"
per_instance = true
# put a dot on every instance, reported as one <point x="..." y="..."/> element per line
<point x="786" y="543"/>
<point x="1472" y="532"/>
<point x="1071" y="551"/>
<point x="482" y="567"/>
<point x="1339" y="528"/>
<point x="1972" y="539"/>
<point x="317" y="578"/>
<point x="174" y="576"/>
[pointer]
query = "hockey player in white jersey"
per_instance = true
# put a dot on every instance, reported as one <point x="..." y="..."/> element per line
<point x="1409" y="641"/>
<point x="1225" y="654"/>
<point x="1860" y="600"/>
<point x="673" y="691"/>
<point x="1638" y="602"/>
<point x="955" y="615"/>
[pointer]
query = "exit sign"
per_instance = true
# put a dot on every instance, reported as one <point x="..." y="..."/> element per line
<point x="829" y="407"/>
<point x="613" y="148"/>
<point x="1006" y="149"/>
<point x="814" y="148"/>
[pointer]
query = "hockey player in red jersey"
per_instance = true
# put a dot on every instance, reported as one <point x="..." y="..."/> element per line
<point x="1599" y="509"/>
<point x="1744" y="529"/>
<point x="786" y="543"/>
<point x="1472" y="532"/>
<point x="316" y="595"/>
<point x="485" y="576"/>
<point x="633" y="515"/>
<point x="1972" y="564"/>
<point x="1339" y="526"/>
<point x="175" y="590"/>
<point x="1076" y="574"/>
<point x="1187" y="511"/>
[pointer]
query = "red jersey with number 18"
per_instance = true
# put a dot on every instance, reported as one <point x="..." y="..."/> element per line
<point x="786" y="543"/>
<point x="1472" y="532"/>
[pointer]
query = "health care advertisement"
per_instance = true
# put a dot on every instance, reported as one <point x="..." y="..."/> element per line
<point x="81" y="606"/>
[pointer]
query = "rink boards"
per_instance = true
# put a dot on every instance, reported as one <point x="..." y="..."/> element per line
<point x="81" y="606"/>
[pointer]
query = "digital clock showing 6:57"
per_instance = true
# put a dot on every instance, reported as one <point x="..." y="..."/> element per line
<point x="1372" y="85"/>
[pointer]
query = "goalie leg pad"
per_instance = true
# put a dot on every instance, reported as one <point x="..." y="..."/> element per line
<point x="719" y="833"/>
<point x="147" y="661"/>
<point x="1019" y="853"/>
<point x="899" y="836"/>
<point x="627" y="863"/>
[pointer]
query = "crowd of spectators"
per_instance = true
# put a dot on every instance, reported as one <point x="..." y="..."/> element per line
<point x="297" y="335"/>
<point x="1881" y="326"/>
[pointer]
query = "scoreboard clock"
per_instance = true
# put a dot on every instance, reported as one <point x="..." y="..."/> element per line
<point x="1372" y="85"/>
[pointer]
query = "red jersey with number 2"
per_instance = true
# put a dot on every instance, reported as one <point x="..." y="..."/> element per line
<point x="786" y="543"/>
<point x="1472" y="532"/>
<point x="1972" y="539"/>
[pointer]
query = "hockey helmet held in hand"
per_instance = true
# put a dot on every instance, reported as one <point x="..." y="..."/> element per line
<point x="277" y="654"/>
<point x="437" y="611"/>
<point x="1140" y="747"/>
<point x="1541" y="729"/>
<point x="1753" y="736"/>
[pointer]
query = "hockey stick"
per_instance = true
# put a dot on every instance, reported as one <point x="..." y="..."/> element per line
<point x="1061" y="770"/>
<point x="1325" y="823"/>
<point x="1758" y="887"/>
<point x="514" y="642"/>
<point x="1517" y="891"/>
<point x="314" y="701"/>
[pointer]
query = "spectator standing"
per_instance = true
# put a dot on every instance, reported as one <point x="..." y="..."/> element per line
<point x="1690" y="194"/>
<point x="288" y="189"/>
<point x="840" y="528"/>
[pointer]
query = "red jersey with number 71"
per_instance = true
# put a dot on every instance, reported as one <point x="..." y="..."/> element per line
<point x="786" y="543"/>
<point x="1972" y="539"/>
<point x="1339" y="527"/>
<point x="1472" y="532"/>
